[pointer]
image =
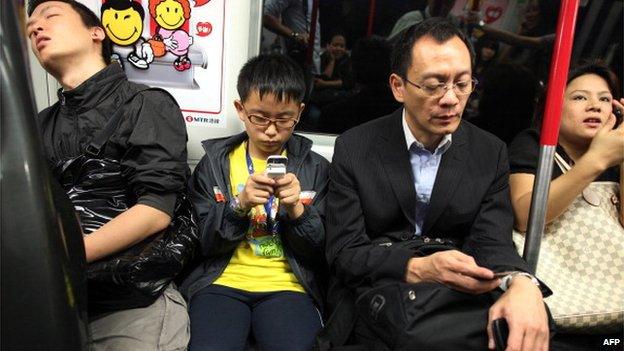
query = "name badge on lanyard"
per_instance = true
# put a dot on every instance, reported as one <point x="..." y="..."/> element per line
<point x="271" y="213"/>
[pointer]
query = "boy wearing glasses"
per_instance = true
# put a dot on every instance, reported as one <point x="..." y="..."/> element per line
<point x="261" y="238"/>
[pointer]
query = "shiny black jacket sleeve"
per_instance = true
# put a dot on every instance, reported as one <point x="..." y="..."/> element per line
<point x="220" y="229"/>
<point x="305" y="236"/>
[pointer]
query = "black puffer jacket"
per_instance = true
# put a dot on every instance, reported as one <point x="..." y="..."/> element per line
<point x="221" y="230"/>
<point x="150" y="140"/>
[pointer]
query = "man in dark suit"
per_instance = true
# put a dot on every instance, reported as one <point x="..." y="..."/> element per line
<point x="418" y="175"/>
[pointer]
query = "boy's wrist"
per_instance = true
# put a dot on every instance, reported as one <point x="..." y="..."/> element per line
<point x="238" y="208"/>
<point x="295" y="211"/>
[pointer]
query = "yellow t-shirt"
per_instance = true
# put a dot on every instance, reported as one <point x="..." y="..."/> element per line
<point x="258" y="264"/>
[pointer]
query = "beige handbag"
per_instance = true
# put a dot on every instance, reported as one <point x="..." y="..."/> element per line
<point x="582" y="260"/>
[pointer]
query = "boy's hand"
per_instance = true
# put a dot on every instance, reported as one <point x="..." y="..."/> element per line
<point x="288" y="189"/>
<point x="257" y="191"/>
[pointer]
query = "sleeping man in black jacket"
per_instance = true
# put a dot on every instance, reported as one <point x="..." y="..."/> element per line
<point x="262" y="237"/>
<point x="149" y="148"/>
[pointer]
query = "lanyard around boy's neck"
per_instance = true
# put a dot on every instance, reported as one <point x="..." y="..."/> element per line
<point x="270" y="221"/>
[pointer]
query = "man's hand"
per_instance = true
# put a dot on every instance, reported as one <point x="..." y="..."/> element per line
<point x="288" y="189"/>
<point x="320" y="82"/>
<point x="258" y="189"/>
<point x="303" y="38"/>
<point x="523" y="307"/>
<point x="453" y="269"/>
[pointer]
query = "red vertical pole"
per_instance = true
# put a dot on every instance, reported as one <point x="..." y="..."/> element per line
<point x="558" y="75"/>
<point x="371" y="18"/>
<point x="560" y="64"/>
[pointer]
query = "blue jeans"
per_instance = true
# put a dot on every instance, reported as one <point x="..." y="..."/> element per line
<point x="222" y="317"/>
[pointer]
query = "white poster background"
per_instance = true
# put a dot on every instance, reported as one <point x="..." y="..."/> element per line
<point x="198" y="90"/>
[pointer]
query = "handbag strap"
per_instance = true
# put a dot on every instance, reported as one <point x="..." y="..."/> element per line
<point x="563" y="165"/>
<point x="94" y="147"/>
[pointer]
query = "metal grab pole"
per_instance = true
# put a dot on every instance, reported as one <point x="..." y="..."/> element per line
<point x="312" y="35"/>
<point x="371" y="18"/>
<point x="560" y="64"/>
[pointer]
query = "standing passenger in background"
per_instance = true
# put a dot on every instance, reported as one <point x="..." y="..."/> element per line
<point x="292" y="19"/>
<point x="261" y="237"/>
<point x="149" y="145"/>
<point x="435" y="8"/>
<point x="335" y="65"/>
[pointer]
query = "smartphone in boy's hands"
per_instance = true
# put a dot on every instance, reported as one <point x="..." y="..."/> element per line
<point x="276" y="166"/>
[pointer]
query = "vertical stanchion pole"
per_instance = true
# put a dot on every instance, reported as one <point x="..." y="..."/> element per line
<point x="560" y="64"/>
<point x="371" y="18"/>
<point x="312" y="34"/>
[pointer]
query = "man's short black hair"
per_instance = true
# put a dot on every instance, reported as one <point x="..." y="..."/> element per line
<point x="121" y="5"/>
<point x="272" y="74"/>
<point x="438" y="28"/>
<point x="89" y="19"/>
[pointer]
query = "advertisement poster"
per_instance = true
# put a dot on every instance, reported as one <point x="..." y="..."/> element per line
<point x="176" y="45"/>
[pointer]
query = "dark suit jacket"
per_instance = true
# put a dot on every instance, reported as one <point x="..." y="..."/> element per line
<point x="372" y="195"/>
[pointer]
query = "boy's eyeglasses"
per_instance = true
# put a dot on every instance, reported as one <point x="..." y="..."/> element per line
<point x="283" y="123"/>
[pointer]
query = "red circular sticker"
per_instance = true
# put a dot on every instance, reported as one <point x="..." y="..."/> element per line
<point x="204" y="29"/>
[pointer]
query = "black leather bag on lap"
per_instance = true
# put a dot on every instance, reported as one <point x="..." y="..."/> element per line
<point x="138" y="275"/>
<point x="395" y="315"/>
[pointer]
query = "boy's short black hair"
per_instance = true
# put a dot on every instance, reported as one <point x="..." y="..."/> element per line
<point x="120" y="5"/>
<point x="440" y="29"/>
<point x="272" y="74"/>
<point x="89" y="19"/>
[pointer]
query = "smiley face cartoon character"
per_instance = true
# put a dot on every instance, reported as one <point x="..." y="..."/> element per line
<point x="170" y="15"/>
<point x="123" y="23"/>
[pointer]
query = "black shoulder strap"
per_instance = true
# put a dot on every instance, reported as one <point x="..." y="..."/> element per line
<point x="95" y="146"/>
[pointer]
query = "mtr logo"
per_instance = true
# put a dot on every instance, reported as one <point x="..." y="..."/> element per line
<point x="204" y="120"/>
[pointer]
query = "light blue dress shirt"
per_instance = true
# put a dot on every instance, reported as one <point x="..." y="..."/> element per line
<point x="425" y="166"/>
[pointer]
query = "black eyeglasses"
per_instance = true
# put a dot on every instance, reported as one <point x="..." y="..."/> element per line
<point x="282" y="123"/>
<point x="460" y="88"/>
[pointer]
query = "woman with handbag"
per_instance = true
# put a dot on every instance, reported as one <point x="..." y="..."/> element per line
<point x="582" y="252"/>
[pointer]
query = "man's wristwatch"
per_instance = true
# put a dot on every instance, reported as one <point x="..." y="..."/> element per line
<point x="506" y="280"/>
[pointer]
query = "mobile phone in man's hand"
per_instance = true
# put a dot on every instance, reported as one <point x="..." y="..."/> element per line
<point x="500" y="275"/>
<point x="500" y="329"/>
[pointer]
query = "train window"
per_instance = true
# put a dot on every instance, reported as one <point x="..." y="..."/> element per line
<point x="513" y="41"/>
